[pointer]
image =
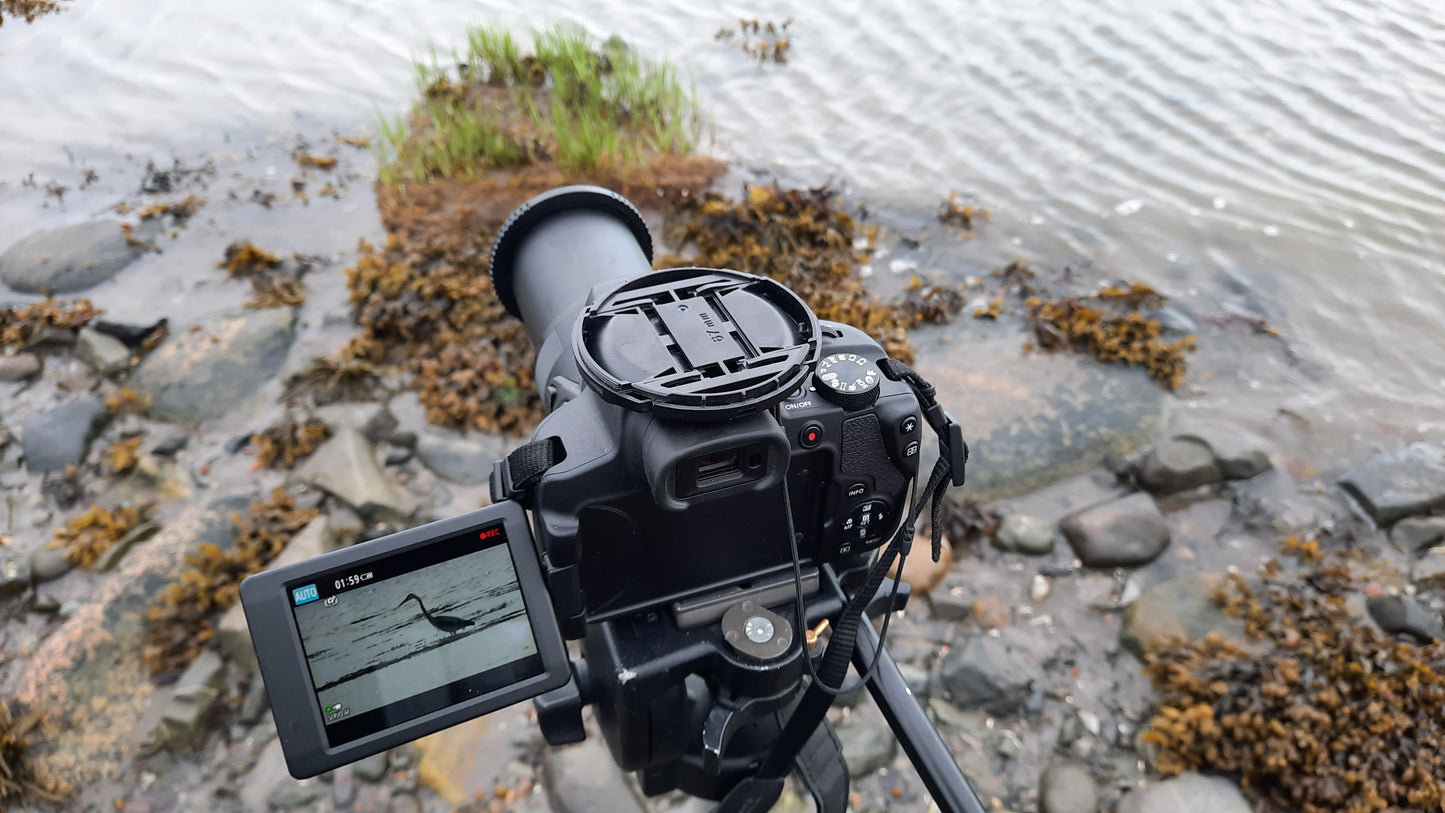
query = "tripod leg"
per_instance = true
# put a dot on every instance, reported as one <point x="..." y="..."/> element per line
<point x="920" y="740"/>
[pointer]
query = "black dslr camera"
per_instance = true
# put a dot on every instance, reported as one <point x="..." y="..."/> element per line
<point x="715" y="478"/>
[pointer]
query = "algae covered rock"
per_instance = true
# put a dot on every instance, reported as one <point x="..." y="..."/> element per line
<point x="70" y="258"/>
<point x="218" y="365"/>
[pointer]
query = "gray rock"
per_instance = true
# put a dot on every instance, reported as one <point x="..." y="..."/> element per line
<point x="985" y="674"/>
<point x="404" y="803"/>
<point x="458" y="460"/>
<point x="1178" y="465"/>
<point x="1026" y="534"/>
<point x="1040" y="588"/>
<point x="171" y="445"/>
<point x="1403" y="615"/>
<point x="1239" y="454"/>
<point x="268" y="774"/>
<point x="343" y="787"/>
<point x="20" y="367"/>
<point x="48" y="564"/>
<point x="293" y="794"/>
<point x="1127" y="532"/>
<point x="182" y="723"/>
<point x="345" y="467"/>
<point x="14" y="578"/>
<point x="1067" y="788"/>
<point x="1188" y="793"/>
<point x="1414" y="534"/>
<point x="202" y="374"/>
<point x="105" y="354"/>
<point x="122" y="546"/>
<point x="70" y="258"/>
<point x="1430" y="567"/>
<point x="916" y="678"/>
<point x="1400" y="483"/>
<point x="867" y="746"/>
<point x="1178" y="608"/>
<point x="60" y="437"/>
<point x="369" y="418"/>
<point x="372" y="768"/>
<point x="950" y="606"/>
<point x="582" y="778"/>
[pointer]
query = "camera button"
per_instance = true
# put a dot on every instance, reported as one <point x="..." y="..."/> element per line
<point x="811" y="435"/>
<point x="909" y="425"/>
<point x="911" y="449"/>
<point x="857" y="490"/>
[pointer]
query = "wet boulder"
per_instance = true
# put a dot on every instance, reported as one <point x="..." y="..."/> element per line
<point x="105" y="354"/>
<point x="345" y="467"/>
<point x="1418" y="533"/>
<point x="20" y="367"/>
<point x="1399" y="483"/>
<point x="61" y="436"/>
<point x="1403" y="615"/>
<point x="1026" y="534"/>
<point x="70" y="258"/>
<point x="1188" y="793"/>
<point x="1066" y="787"/>
<point x="206" y="372"/>
<point x="459" y="460"/>
<point x="1178" y="465"/>
<point x="1179" y="608"/>
<point x="1127" y="532"/>
<point x="1238" y="454"/>
<point x="986" y="674"/>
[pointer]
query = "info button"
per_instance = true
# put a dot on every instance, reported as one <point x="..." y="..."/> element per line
<point x="857" y="490"/>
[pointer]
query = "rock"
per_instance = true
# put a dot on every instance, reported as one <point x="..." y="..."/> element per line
<point x="1127" y="532"/>
<point x="867" y="746"/>
<point x="171" y="445"/>
<point x="1179" y="608"/>
<point x="404" y="440"/>
<point x="1040" y="588"/>
<point x="1400" y="483"/>
<point x="1414" y="534"/>
<point x="105" y="354"/>
<point x="48" y="564"/>
<point x="920" y="572"/>
<point x="182" y="721"/>
<point x="985" y="674"/>
<point x="458" y="460"/>
<point x="1066" y="788"/>
<point x="132" y="336"/>
<point x="951" y="605"/>
<point x="1178" y="465"/>
<point x="1188" y="793"/>
<point x="343" y="787"/>
<point x="14" y="578"/>
<point x="583" y="778"/>
<point x="204" y="373"/>
<point x="46" y="604"/>
<point x="293" y="794"/>
<point x="372" y="768"/>
<point x="1403" y="615"/>
<point x="20" y="367"/>
<point x="1026" y="534"/>
<point x="233" y="636"/>
<point x="916" y="678"/>
<point x="345" y="467"/>
<point x="70" y="258"/>
<point x="1238" y="454"/>
<point x="266" y="778"/>
<point x="122" y="546"/>
<point x="369" y="418"/>
<point x="1430" y="567"/>
<point x="990" y="613"/>
<point x="396" y="457"/>
<point x="60" y="437"/>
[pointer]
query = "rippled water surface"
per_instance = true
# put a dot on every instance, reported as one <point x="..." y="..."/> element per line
<point x="1292" y="148"/>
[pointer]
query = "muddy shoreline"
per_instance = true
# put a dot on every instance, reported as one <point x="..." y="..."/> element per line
<point x="1054" y="434"/>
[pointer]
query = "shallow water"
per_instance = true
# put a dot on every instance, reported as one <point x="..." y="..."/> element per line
<point x="1289" y="155"/>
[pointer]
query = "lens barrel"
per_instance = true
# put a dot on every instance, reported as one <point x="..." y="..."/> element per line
<point x="555" y="247"/>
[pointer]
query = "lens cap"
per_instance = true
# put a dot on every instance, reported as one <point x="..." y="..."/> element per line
<point x="697" y="343"/>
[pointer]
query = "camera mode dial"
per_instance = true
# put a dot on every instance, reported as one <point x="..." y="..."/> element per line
<point x="849" y="380"/>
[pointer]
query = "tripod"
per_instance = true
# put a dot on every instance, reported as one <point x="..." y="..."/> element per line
<point x="697" y="699"/>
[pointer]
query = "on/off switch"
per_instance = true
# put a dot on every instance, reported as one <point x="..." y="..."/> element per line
<point x="811" y="435"/>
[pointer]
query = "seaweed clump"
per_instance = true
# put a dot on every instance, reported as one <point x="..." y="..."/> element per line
<point x="179" y="211"/>
<point x="1326" y="714"/>
<point x="763" y="40"/>
<point x="19" y="781"/>
<point x="1109" y="326"/>
<point x="184" y="619"/>
<point x="27" y="10"/>
<point x="121" y="457"/>
<point x="284" y="443"/>
<point x="87" y="537"/>
<point x="804" y="240"/>
<point x="21" y="326"/>
<point x="276" y="291"/>
<point x="244" y="259"/>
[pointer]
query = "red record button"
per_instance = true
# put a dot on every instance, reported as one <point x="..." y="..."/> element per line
<point x="811" y="435"/>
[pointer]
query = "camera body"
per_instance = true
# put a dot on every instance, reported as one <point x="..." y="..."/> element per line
<point x="645" y="509"/>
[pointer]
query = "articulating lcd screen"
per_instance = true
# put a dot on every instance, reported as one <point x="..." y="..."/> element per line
<point x="419" y="631"/>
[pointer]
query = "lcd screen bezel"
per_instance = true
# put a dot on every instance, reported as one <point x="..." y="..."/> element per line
<point x="299" y="724"/>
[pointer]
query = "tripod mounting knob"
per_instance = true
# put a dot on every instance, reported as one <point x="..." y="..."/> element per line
<point x="757" y="632"/>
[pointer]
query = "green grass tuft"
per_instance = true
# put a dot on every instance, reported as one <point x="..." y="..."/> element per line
<point x="582" y="105"/>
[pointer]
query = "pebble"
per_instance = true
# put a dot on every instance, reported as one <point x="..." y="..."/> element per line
<point x="1399" y="483"/>
<point x="1403" y="615"/>
<point x="1040" y="588"/>
<point x="985" y="674"/>
<point x="1430" y="567"/>
<point x="14" y="577"/>
<point x="372" y="768"/>
<point x="990" y="613"/>
<point x="70" y="258"/>
<point x="396" y="457"/>
<point x="20" y="367"/>
<point x="48" y="564"/>
<point x="105" y="354"/>
<point x="197" y="375"/>
<point x="1238" y="453"/>
<point x="1414" y="534"/>
<point x="1026" y="534"/>
<point x="1066" y="787"/>
<point x="868" y="746"/>
<point x="1127" y="532"/>
<point x="920" y="572"/>
<point x="1188" y="793"/>
<point x="61" y="436"/>
<point x="171" y="445"/>
<point x="950" y="605"/>
<point x="1178" y="465"/>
